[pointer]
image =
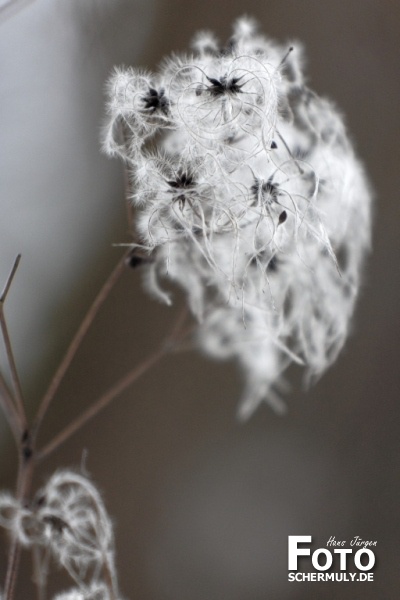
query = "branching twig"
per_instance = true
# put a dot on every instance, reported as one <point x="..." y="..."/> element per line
<point x="117" y="389"/>
<point x="120" y="386"/>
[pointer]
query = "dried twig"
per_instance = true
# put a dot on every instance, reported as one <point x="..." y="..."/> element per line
<point x="9" y="351"/>
<point x="120" y="386"/>
<point x="76" y="342"/>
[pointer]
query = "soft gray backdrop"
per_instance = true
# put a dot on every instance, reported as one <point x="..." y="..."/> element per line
<point x="202" y="505"/>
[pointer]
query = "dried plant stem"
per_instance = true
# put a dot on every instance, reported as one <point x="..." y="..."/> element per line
<point x="16" y="416"/>
<point x="10" y="412"/>
<point x="13" y="370"/>
<point x="76" y="341"/>
<point x="177" y="331"/>
<point x="24" y="482"/>
<point x="15" y="411"/>
<point x="120" y="386"/>
<point x="18" y="398"/>
<point x="10" y="279"/>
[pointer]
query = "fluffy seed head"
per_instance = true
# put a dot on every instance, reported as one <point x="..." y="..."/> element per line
<point x="249" y="195"/>
<point x="67" y="517"/>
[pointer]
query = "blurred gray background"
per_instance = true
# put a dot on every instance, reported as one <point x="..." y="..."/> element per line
<point x="202" y="504"/>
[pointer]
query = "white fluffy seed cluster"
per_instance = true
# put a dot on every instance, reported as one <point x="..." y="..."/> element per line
<point x="67" y="519"/>
<point x="95" y="591"/>
<point x="250" y="197"/>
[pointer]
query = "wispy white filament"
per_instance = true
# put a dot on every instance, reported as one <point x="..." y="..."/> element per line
<point x="250" y="197"/>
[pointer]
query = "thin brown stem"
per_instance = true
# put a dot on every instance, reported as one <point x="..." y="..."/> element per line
<point x="177" y="328"/>
<point x="10" y="412"/>
<point x="13" y="369"/>
<point x="15" y="413"/>
<point x="93" y="410"/>
<point x="10" y="278"/>
<point x="18" y="398"/>
<point x="76" y="342"/>
<point x="120" y="386"/>
<point x="24" y="482"/>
